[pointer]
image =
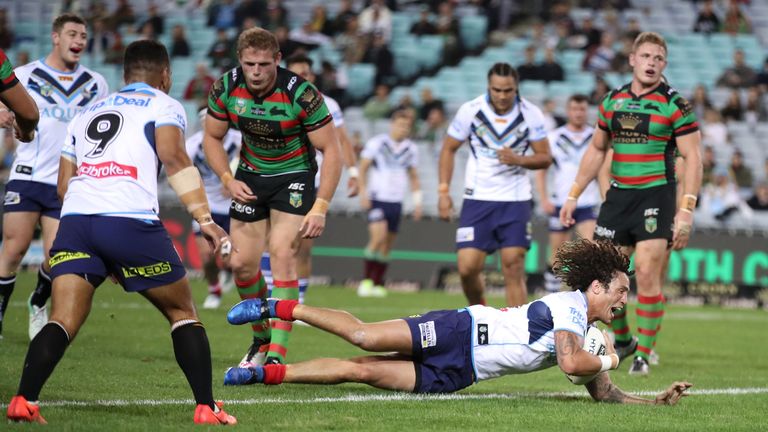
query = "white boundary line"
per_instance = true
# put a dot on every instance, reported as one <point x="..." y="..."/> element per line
<point x="393" y="397"/>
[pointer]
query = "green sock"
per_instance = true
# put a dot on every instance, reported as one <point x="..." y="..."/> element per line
<point x="281" y="330"/>
<point x="620" y="326"/>
<point x="650" y="311"/>
<point x="255" y="288"/>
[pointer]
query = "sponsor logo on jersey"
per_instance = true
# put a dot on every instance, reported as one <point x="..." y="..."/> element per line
<point x="239" y="106"/>
<point x="482" y="334"/>
<point x="651" y="212"/>
<point x="46" y="90"/>
<point x="629" y="121"/>
<point x="61" y="257"/>
<point x="243" y="208"/>
<point x="651" y="223"/>
<point x="156" y="269"/>
<point x="618" y="103"/>
<point x="576" y="316"/>
<point x="24" y="169"/>
<point x="292" y="82"/>
<point x="428" y="334"/>
<point x="12" y="198"/>
<point x="295" y="199"/>
<point x="298" y="186"/>
<point x="107" y="169"/>
<point x="59" y="113"/>
<point x="119" y="100"/>
<point x="65" y="78"/>
<point x="277" y="111"/>
<point x="604" y="232"/>
<point x="465" y="234"/>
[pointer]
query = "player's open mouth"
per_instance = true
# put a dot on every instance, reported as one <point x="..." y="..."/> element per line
<point x="650" y="72"/>
<point x="76" y="50"/>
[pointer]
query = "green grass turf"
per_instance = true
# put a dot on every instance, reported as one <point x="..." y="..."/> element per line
<point x="124" y="353"/>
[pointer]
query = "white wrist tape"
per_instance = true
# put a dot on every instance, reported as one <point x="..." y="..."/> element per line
<point x="607" y="363"/>
<point x="353" y="172"/>
<point x="418" y="197"/>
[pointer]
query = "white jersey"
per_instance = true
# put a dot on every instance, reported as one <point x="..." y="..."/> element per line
<point x="218" y="202"/>
<point x="113" y="146"/>
<point x="59" y="97"/>
<point x="388" y="173"/>
<point x="522" y="339"/>
<point x="568" y="147"/>
<point x="338" y="120"/>
<point x="486" y="178"/>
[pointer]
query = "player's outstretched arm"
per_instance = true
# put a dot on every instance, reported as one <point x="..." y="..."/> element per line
<point x="185" y="180"/>
<point x="25" y="109"/>
<point x="445" y="173"/>
<point x="603" y="390"/>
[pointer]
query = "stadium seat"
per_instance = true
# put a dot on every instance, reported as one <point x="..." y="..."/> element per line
<point x="473" y="31"/>
<point x="361" y="77"/>
<point x="431" y="49"/>
<point x="407" y="62"/>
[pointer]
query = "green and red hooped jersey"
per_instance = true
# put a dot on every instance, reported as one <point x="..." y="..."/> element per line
<point x="274" y="127"/>
<point x="7" y="77"/>
<point x="643" y="131"/>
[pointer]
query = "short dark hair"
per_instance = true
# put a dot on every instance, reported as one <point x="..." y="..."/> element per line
<point x="503" y="70"/>
<point x="298" y="57"/>
<point x="145" y="56"/>
<point x="64" y="18"/>
<point x="581" y="261"/>
<point x="578" y="98"/>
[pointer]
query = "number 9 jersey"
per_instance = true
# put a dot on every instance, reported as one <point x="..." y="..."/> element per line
<point x="113" y="145"/>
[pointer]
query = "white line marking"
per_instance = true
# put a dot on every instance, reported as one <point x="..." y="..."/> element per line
<point x="392" y="397"/>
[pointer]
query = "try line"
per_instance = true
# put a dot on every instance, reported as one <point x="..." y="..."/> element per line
<point x="395" y="397"/>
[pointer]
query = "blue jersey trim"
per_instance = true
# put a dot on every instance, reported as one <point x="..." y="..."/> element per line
<point x="472" y="342"/>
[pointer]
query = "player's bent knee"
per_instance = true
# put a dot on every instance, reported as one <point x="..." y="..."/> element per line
<point x="360" y="338"/>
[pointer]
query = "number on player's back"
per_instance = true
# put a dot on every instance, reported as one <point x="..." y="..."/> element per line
<point x="102" y="130"/>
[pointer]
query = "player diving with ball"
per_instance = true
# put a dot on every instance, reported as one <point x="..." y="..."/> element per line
<point x="445" y="351"/>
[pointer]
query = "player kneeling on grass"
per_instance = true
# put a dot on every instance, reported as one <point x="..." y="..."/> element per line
<point x="445" y="351"/>
<point x="109" y="226"/>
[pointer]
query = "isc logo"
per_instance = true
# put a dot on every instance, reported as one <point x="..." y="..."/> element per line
<point x="296" y="186"/>
<point x="651" y="212"/>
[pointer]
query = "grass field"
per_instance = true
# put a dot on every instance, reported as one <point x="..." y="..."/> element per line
<point x="120" y="374"/>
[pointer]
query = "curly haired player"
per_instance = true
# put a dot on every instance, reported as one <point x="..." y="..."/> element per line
<point x="445" y="351"/>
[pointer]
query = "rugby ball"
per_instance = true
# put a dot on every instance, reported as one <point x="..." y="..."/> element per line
<point x="594" y="343"/>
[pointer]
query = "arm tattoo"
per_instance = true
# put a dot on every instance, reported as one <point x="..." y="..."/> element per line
<point x="603" y="390"/>
<point x="566" y="343"/>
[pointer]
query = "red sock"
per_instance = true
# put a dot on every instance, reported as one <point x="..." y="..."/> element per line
<point x="274" y="374"/>
<point x="368" y="269"/>
<point x="380" y="273"/>
<point x="284" y="309"/>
